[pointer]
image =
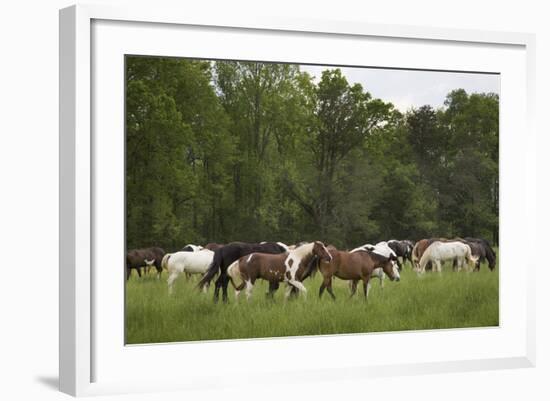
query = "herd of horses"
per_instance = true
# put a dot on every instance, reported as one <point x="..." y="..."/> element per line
<point x="242" y="264"/>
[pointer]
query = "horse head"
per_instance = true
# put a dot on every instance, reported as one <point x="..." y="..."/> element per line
<point x="391" y="268"/>
<point x="321" y="250"/>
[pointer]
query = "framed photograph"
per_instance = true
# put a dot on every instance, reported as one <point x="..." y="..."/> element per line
<point x="342" y="195"/>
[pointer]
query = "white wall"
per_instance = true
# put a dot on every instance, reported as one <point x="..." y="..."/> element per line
<point x="28" y="212"/>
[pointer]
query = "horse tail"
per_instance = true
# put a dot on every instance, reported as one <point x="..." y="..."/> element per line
<point x="212" y="270"/>
<point x="233" y="273"/>
<point x="164" y="263"/>
<point x="491" y="256"/>
<point x="414" y="253"/>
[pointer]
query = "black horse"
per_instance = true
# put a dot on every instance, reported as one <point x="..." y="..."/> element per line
<point x="224" y="256"/>
<point x="482" y="248"/>
<point x="403" y="249"/>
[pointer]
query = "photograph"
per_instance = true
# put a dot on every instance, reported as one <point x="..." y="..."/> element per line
<point x="275" y="199"/>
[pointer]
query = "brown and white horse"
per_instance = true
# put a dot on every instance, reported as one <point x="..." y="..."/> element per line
<point x="292" y="267"/>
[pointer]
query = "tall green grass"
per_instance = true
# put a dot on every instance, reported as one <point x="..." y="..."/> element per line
<point x="432" y="301"/>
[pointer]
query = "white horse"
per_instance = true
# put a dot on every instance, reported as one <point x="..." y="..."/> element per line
<point x="439" y="252"/>
<point x="186" y="262"/>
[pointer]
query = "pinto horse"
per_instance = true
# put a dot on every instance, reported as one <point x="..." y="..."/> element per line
<point x="224" y="256"/>
<point x="356" y="265"/>
<point x="137" y="258"/>
<point x="403" y="250"/>
<point x="277" y="268"/>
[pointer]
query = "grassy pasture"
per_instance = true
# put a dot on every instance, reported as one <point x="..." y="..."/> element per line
<point x="432" y="301"/>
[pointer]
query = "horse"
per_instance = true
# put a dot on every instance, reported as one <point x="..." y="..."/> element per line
<point x="224" y="256"/>
<point x="403" y="250"/>
<point x="419" y="249"/>
<point x="137" y="258"/>
<point x="381" y="248"/>
<point x="439" y="251"/>
<point x="356" y="265"/>
<point x="484" y="251"/>
<point x="277" y="268"/>
<point x="186" y="262"/>
<point x="190" y="248"/>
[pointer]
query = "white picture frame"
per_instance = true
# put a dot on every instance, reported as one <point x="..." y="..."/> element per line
<point x="91" y="364"/>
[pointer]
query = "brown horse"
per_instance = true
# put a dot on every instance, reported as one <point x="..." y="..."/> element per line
<point x="146" y="257"/>
<point x="355" y="266"/>
<point x="292" y="267"/>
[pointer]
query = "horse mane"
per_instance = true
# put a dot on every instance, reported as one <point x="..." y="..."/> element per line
<point x="312" y="266"/>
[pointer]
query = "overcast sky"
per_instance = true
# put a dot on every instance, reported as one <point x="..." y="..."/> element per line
<point x="408" y="88"/>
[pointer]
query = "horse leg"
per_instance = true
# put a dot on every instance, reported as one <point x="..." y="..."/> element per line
<point x="249" y="287"/>
<point x="273" y="286"/>
<point x="438" y="266"/>
<point x="139" y="272"/>
<point x="322" y="289"/>
<point x="128" y="271"/>
<point x="366" y="286"/>
<point x="217" y="289"/>
<point x="298" y="285"/>
<point x="294" y="292"/>
<point x="225" y="284"/>
<point x="159" y="270"/>
<point x="329" y="289"/>
<point x="324" y="285"/>
<point x="288" y="291"/>
<point x="171" y="278"/>
<point x="478" y="263"/>
<point x="353" y="287"/>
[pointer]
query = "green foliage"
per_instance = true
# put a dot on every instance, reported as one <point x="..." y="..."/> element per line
<point x="224" y="151"/>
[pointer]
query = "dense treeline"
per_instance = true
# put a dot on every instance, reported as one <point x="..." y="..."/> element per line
<point x="226" y="151"/>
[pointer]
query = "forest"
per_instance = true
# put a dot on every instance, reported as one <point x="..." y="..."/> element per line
<point x="221" y="151"/>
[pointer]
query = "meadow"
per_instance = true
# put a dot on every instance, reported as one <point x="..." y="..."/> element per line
<point x="431" y="301"/>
